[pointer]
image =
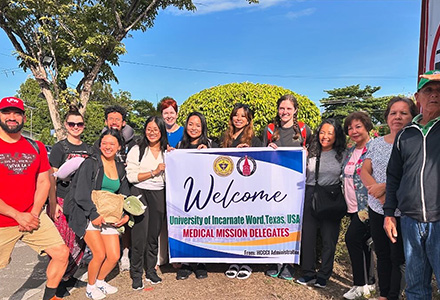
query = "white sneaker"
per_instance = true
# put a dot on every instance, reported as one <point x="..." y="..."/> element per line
<point x="354" y="292"/>
<point x="95" y="293"/>
<point x="124" y="264"/>
<point x="107" y="289"/>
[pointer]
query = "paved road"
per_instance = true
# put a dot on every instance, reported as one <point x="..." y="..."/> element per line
<point x="24" y="277"/>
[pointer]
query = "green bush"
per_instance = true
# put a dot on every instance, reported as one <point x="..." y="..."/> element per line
<point x="216" y="103"/>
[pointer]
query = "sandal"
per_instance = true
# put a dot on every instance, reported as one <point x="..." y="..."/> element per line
<point x="232" y="271"/>
<point x="245" y="272"/>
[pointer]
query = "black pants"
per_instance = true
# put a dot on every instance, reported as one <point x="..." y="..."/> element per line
<point x="145" y="232"/>
<point x="329" y="234"/>
<point x="358" y="233"/>
<point x="390" y="257"/>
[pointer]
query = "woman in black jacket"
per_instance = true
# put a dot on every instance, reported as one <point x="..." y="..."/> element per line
<point x="100" y="172"/>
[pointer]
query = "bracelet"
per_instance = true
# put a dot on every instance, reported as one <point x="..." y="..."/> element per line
<point x="152" y="174"/>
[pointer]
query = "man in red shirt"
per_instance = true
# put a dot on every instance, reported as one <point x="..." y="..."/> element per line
<point x="24" y="186"/>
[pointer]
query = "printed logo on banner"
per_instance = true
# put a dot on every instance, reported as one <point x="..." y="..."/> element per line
<point x="223" y="166"/>
<point x="246" y="166"/>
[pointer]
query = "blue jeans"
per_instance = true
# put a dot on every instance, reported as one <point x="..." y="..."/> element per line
<point x="421" y="242"/>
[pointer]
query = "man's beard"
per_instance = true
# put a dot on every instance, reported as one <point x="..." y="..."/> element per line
<point x="15" y="129"/>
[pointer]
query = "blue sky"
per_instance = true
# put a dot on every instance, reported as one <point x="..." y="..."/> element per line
<point x="307" y="46"/>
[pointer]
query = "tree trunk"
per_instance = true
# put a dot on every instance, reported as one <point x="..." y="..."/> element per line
<point x="41" y="77"/>
<point x="88" y="83"/>
<point x="54" y="114"/>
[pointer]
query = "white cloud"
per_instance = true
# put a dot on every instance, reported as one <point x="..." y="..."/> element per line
<point x="301" y="13"/>
<point x="211" y="6"/>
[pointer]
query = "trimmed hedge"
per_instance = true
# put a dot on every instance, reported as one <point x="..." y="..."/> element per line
<point x="216" y="103"/>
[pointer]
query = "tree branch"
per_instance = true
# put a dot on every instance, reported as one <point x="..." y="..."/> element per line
<point x="130" y="11"/>
<point x="118" y="19"/>
<point x="153" y="4"/>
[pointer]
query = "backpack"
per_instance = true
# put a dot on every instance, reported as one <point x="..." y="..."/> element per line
<point x="34" y="144"/>
<point x="66" y="151"/>
<point x="302" y="128"/>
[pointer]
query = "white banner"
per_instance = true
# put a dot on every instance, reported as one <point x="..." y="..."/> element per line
<point x="235" y="205"/>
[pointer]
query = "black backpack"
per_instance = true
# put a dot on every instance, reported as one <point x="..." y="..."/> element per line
<point x="34" y="144"/>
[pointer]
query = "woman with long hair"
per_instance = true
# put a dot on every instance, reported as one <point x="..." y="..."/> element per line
<point x="195" y="136"/>
<point x="390" y="256"/>
<point x="145" y="170"/>
<point x="286" y="130"/>
<point x="240" y="131"/>
<point x="357" y="126"/>
<point x="61" y="152"/>
<point x="327" y="145"/>
<point x="99" y="173"/>
<point x="240" y="134"/>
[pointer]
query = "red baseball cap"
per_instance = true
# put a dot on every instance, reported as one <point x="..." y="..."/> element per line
<point x="11" y="102"/>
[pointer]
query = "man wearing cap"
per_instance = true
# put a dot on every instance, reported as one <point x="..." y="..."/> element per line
<point x="413" y="181"/>
<point x="24" y="187"/>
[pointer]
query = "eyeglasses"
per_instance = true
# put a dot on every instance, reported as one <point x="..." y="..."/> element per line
<point x="73" y="124"/>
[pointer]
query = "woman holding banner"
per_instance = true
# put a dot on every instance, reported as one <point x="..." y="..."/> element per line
<point x="390" y="256"/>
<point x="240" y="134"/>
<point x="145" y="169"/>
<point x="285" y="131"/>
<point x="195" y="136"/>
<point x="325" y="156"/>
<point x="358" y="239"/>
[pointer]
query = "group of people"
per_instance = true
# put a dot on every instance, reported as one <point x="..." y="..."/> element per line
<point x="389" y="184"/>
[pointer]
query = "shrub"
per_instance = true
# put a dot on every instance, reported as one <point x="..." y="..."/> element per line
<point x="216" y="103"/>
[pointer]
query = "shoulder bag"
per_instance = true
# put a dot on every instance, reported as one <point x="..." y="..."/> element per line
<point x="328" y="201"/>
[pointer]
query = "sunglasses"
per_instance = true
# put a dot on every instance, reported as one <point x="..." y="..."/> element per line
<point x="73" y="124"/>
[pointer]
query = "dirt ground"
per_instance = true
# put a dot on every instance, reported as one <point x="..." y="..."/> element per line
<point x="218" y="286"/>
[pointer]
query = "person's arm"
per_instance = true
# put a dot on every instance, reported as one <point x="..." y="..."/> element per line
<point x="29" y="221"/>
<point x="54" y="208"/>
<point x="41" y="192"/>
<point x="151" y="174"/>
<point x="394" y="176"/>
<point x="377" y="190"/>
<point x="133" y="168"/>
<point x="55" y="160"/>
<point x="133" y="165"/>
<point x="26" y="220"/>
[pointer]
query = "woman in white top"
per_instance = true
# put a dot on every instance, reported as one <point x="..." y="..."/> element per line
<point x="145" y="170"/>
<point x="390" y="256"/>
